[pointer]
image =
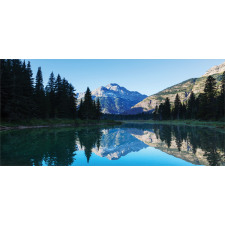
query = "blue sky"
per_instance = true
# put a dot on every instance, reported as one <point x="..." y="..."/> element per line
<point x="147" y="76"/>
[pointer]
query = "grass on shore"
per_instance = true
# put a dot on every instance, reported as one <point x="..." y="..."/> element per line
<point x="216" y="124"/>
<point x="56" y="122"/>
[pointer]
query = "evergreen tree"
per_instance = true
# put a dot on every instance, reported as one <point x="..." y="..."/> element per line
<point x="6" y="89"/>
<point x="81" y="110"/>
<point x="58" y="95"/>
<point x="191" y="107"/>
<point x="39" y="95"/>
<point x="64" y="103"/>
<point x="72" y="102"/>
<point x="210" y="95"/>
<point x="160" y="111"/>
<point x="88" y="105"/>
<point x="167" y="110"/>
<point x="177" y="108"/>
<point x="21" y="99"/>
<point x="202" y="106"/>
<point x="98" y="108"/>
<point x="28" y="91"/>
<point x="221" y="99"/>
<point x="51" y="96"/>
<point x="155" y="113"/>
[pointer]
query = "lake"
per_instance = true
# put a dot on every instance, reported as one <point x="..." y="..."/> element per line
<point x="125" y="145"/>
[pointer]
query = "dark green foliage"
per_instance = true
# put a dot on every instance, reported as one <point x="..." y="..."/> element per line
<point x="156" y="113"/>
<point x="88" y="105"/>
<point x="98" y="109"/>
<point x="177" y="110"/>
<point x="209" y="105"/>
<point x="21" y="99"/>
<point x="221" y="100"/>
<point x="89" y="109"/>
<point x="51" y="96"/>
<point x="163" y="112"/>
<point x="210" y="97"/>
<point x="39" y="96"/>
<point x="16" y="89"/>
<point x="89" y="138"/>
<point x="166" y="110"/>
<point x="195" y="138"/>
<point x="81" y="110"/>
<point x="191" y="107"/>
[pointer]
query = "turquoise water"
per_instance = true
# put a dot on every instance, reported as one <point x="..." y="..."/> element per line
<point x="126" y="145"/>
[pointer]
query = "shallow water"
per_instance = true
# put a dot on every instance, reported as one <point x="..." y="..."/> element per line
<point x="126" y="145"/>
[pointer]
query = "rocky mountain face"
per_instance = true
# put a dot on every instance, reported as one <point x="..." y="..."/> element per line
<point x="183" y="89"/>
<point x="115" y="99"/>
<point x="215" y="69"/>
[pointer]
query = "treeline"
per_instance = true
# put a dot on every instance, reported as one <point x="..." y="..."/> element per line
<point x="209" y="105"/>
<point x="24" y="98"/>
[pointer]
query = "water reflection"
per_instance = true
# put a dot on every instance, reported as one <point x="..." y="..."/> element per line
<point x="38" y="147"/>
<point x="199" y="145"/>
<point x="89" y="138"/>
<point x="85" y="146"/>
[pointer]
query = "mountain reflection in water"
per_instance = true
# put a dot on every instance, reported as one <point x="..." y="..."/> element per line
<point x="102" y="146"/>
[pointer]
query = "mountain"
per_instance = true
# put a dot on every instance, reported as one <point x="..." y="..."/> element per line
<point x="115" y="99"/>
<point x="183" y="89"/>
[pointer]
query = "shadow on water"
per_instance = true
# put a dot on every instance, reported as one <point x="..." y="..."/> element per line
<point x="60" y="147"/>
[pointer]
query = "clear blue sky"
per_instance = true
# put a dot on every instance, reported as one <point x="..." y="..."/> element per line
<point x="146" y="76"/>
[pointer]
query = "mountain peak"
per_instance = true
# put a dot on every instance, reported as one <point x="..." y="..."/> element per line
<point x="113" y="84"/>
<point x="215" y="69"/>
<point x="114" y="98"/>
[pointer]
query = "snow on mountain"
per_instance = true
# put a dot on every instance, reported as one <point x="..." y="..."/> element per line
<point x="114" y="98"/>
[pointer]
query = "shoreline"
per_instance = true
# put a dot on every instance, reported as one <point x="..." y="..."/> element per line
<point x="210" y="124"/>
<point x="21" y="126"/>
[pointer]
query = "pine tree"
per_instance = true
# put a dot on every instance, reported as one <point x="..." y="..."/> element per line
<point x="167" y="110"/>
<point x="210" y="94"/>
<point x="17" y="104"/>
<point x="6" y="89"/>
<point x="160" y="111"/>
<point x="202" y="106"/>
<point x="51" y="96"/>
<point x="183" y="111"/>
<point x="64" y="103"/>
<point x="221" y="99"/>
<point x="98" y="107"/>
<point x="72" y="102"/>
<point x="81" y="110"/>
<point x="177" y="108"/>
<point x="58" y="95"/>
<point x="88" y="105"/>
<point x="155" y="113"/>
<point x="39" y="95"/>
<point x="191" y="107"/>
<point x="28" y="91"/>
<point x="21" y="99"/>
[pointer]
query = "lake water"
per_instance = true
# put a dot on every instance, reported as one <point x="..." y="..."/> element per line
<point x="125" y="145"/>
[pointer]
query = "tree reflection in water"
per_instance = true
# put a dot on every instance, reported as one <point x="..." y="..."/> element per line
<point x="88" y="139"/>
<point x="208" y="140"/>
<point x="58" y="147"/>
